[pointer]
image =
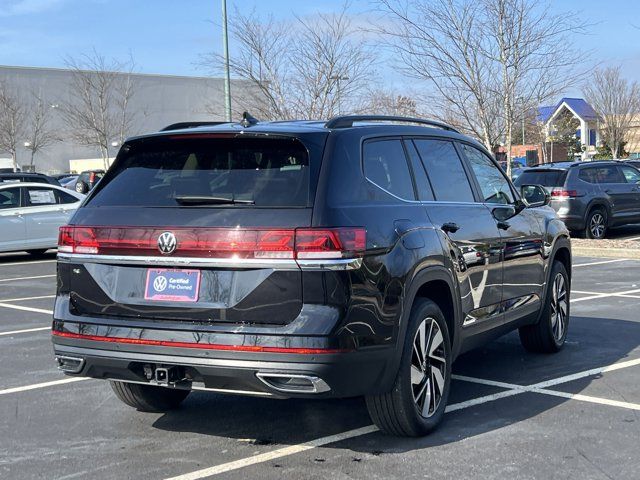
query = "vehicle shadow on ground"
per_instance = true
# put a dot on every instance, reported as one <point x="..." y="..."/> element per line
<point x="26" y="257"/>
<point x="592" y="343"/>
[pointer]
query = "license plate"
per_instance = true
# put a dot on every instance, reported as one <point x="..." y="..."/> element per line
<point x="172" y="285"/>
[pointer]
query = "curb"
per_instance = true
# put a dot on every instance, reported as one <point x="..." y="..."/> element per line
<point x="631" y="253"/>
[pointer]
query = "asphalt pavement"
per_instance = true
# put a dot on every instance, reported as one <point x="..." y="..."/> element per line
<point x="511" y="414"/>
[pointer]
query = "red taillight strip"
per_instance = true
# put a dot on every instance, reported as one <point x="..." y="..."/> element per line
<point x="201" y="346"/>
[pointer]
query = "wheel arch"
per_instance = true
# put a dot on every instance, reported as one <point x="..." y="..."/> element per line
<point x="437" y="284"/>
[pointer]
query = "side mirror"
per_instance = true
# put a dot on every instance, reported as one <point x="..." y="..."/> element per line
<point x="535" y="195"/>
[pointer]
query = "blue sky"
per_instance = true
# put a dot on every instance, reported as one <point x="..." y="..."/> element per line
<point x="167" y="36"/>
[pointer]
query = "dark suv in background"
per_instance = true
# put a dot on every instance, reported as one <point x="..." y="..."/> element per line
<point x="590" y="197"/>
<point x="308" y="259"/>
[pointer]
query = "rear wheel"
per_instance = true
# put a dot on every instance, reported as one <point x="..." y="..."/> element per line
<point x="550" y="333"/>
<point x="416" y="404"/>
<point x="148" y="398"/>
<point x="596" y="227"/>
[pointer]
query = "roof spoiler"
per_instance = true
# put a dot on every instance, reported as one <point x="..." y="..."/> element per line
<point x="347" y="121"/>
<point x="183" y="125"/>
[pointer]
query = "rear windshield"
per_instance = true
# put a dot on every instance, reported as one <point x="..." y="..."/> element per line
<point x="199" y="172"/>
<point x="546" y="178"/>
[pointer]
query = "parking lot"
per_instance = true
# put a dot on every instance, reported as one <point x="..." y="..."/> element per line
<point x="511" y="414"/>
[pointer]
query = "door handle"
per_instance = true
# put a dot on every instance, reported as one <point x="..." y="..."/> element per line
<point x="504" y="225"/>
<point x="450" y="227"/>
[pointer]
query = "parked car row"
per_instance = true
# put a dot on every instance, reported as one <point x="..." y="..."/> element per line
<point x="81" y="183"/>
<point x="31" y="214"/>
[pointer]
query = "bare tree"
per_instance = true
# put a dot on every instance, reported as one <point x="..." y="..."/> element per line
<point x="12" y="121"/>
<point x="534" y="52"/>
<point x="312" y="67"/>
<point x="98" y="110"/>
<point x="485" y="58"/>
<point x="617" y="101"/>
<point x="441" y="41"/>
<point x="386" y="102"/>
<point x="39" y="132"/>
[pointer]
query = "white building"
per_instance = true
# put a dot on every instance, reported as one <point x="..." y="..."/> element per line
<point x="588" y="133"/>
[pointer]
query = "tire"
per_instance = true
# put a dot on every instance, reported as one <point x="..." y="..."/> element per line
<point x="550" y="333"/>
<point x="37" y="253"/>
<point x="81" y="187"/>
<point x="404" y="410"/>
<point x="596" y="225"/>
<point x="149" y="398"/>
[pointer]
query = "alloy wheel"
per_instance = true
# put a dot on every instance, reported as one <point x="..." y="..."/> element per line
<point x="428" y="367"/>
<point x="559" y="303"/>
<point x="596" y="225"/>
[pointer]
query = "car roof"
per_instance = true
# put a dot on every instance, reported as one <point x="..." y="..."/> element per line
<point x="35" y="184"/>
<point x="23" y="174"/>
<point x="300" y="127"/>
<point x="568" y="165"/>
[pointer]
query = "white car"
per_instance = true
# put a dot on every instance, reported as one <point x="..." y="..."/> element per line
<point x="31" y="213"/>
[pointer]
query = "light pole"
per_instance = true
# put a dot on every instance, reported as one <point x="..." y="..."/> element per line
<point x="227" y="75"/>
<point x="338" y="79"/>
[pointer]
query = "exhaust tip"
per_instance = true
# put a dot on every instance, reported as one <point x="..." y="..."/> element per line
<point x="70" y="364"/>
<point x="293" y="383"/>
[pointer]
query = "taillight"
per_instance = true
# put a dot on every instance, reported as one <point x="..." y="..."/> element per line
<point x="329" y="243"/>
<point x="303" y="243"/>
<point x="92" y="177"/>
<point x="562" y="193"/>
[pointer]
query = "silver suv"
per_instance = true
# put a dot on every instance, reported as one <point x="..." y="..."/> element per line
<point x="590" y="197"/>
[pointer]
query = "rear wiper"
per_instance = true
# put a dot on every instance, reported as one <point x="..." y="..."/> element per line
<point x="210" y="200"/>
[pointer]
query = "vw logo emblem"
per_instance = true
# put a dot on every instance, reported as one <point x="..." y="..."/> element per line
<point x="160" y="283"/>
<point x="167" y="243"/>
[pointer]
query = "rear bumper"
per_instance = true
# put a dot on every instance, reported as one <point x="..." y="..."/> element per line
<point x="340" y="374"/>
<point x="573" y="222"/>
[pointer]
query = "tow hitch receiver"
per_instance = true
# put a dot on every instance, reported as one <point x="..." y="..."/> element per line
<point x="164" y="375"/>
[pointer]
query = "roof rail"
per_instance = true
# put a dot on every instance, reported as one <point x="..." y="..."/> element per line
<point x="348" y="121"/>
<point x="181" y="125"/>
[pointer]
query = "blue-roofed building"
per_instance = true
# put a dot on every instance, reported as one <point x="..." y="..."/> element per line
<point x="588" y="133"/>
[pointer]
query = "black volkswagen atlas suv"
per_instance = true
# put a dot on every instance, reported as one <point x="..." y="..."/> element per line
<point x="358" y="256"/>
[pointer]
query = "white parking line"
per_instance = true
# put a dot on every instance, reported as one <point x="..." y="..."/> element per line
<point x="26" y="278"/>
<point x="26" y="330"/>
<point x="589" y="398"/>
<point x="513" y="390"/>
<point x="42" y="385"/>
<point x="26" y="263"/>
<point x="594" y="295"/>
<point x="22" y="299"/>
<point x="26" y="309"/>
<point x="600" y="262"/>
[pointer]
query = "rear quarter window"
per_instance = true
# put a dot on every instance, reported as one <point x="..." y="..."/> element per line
<point x="245" y="171"/>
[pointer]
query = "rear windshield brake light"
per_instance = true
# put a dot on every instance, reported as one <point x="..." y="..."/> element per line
<point x="301" y="243"/>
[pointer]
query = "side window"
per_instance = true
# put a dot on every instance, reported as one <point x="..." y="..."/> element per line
<point x="422" y="182"/>
<point x="9" y="198"/>
<point x="64" y="197"/>
<point x="607" y="174"/>
<point x="495" y="187"/>
<point x="631" y="175"/>
<point x="41" y="196"/>
<point x="385" y="164"/>
<point x="444" y="168"/>
<point x="589" y="175"/>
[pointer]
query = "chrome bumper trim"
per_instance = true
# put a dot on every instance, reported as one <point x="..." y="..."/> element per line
<point x="237" y="263"/>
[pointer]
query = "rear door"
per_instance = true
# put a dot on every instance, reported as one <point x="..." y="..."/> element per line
<point x="43" y="215"/>
<point x="620" y="193"/>
<point x="215" y="212"/>
<point x="470" y="232"/>
<point x="12" y="222"/>
<point x="632" y="202"/>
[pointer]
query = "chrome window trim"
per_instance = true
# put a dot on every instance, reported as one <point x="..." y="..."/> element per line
<point x="238" y="263"/>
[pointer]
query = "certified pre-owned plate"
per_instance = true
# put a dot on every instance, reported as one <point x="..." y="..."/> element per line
<point x="172" y="285"/>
